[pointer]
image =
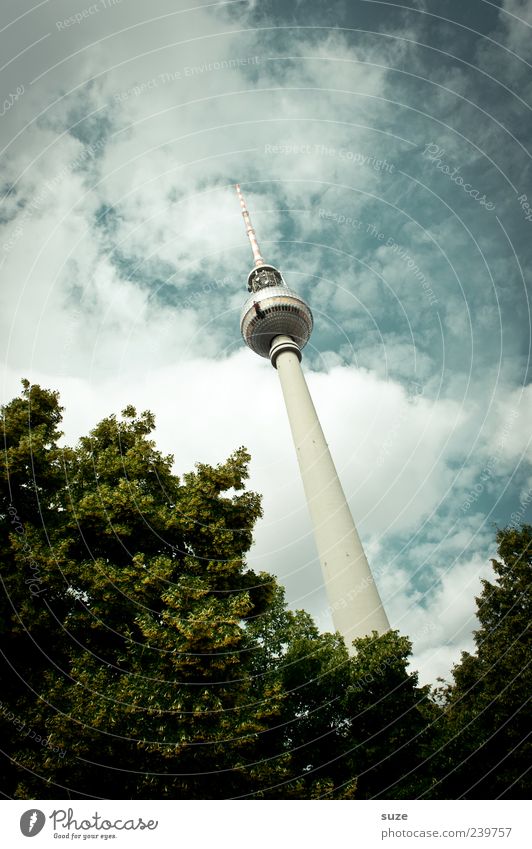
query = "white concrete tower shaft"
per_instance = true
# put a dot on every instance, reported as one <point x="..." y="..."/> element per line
<point x="354" y="599"/>
<point x="277" y="323"/>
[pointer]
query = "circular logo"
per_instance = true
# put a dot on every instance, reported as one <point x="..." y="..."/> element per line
<point x="32" y="822"/>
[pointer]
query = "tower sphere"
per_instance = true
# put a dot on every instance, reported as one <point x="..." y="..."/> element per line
<point x="273" y="310"/>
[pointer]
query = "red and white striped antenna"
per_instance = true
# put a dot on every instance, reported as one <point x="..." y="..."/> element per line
<point x="249" y="229"/>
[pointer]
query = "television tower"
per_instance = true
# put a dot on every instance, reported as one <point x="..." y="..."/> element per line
<point x="276" y="323"/>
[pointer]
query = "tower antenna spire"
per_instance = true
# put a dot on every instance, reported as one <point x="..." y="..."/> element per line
<point x="249" y="229"/>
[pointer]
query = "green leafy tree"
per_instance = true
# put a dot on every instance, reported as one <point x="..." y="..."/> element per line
<point x="128" y="653"/>
<point x="392" y="728"/>
<point x="313" y="671"/>
<point x="31" y="475"/>
<point x="355" y="726"/>
<point x="141" y="657"/>
<point x="488" y="706"/>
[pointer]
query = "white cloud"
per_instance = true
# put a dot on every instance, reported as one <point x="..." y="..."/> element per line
<point x="442" y="630"/>
<point x="516" y="19"/>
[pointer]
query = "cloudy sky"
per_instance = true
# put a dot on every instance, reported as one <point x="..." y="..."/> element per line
<point x="383" y="149"/>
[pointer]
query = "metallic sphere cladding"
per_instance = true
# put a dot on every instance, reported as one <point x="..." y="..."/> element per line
<point x="275" y="311"/>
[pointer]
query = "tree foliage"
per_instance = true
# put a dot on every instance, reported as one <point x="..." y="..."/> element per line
<point x="143" y="658"/>
<point x="488" y="717"/>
